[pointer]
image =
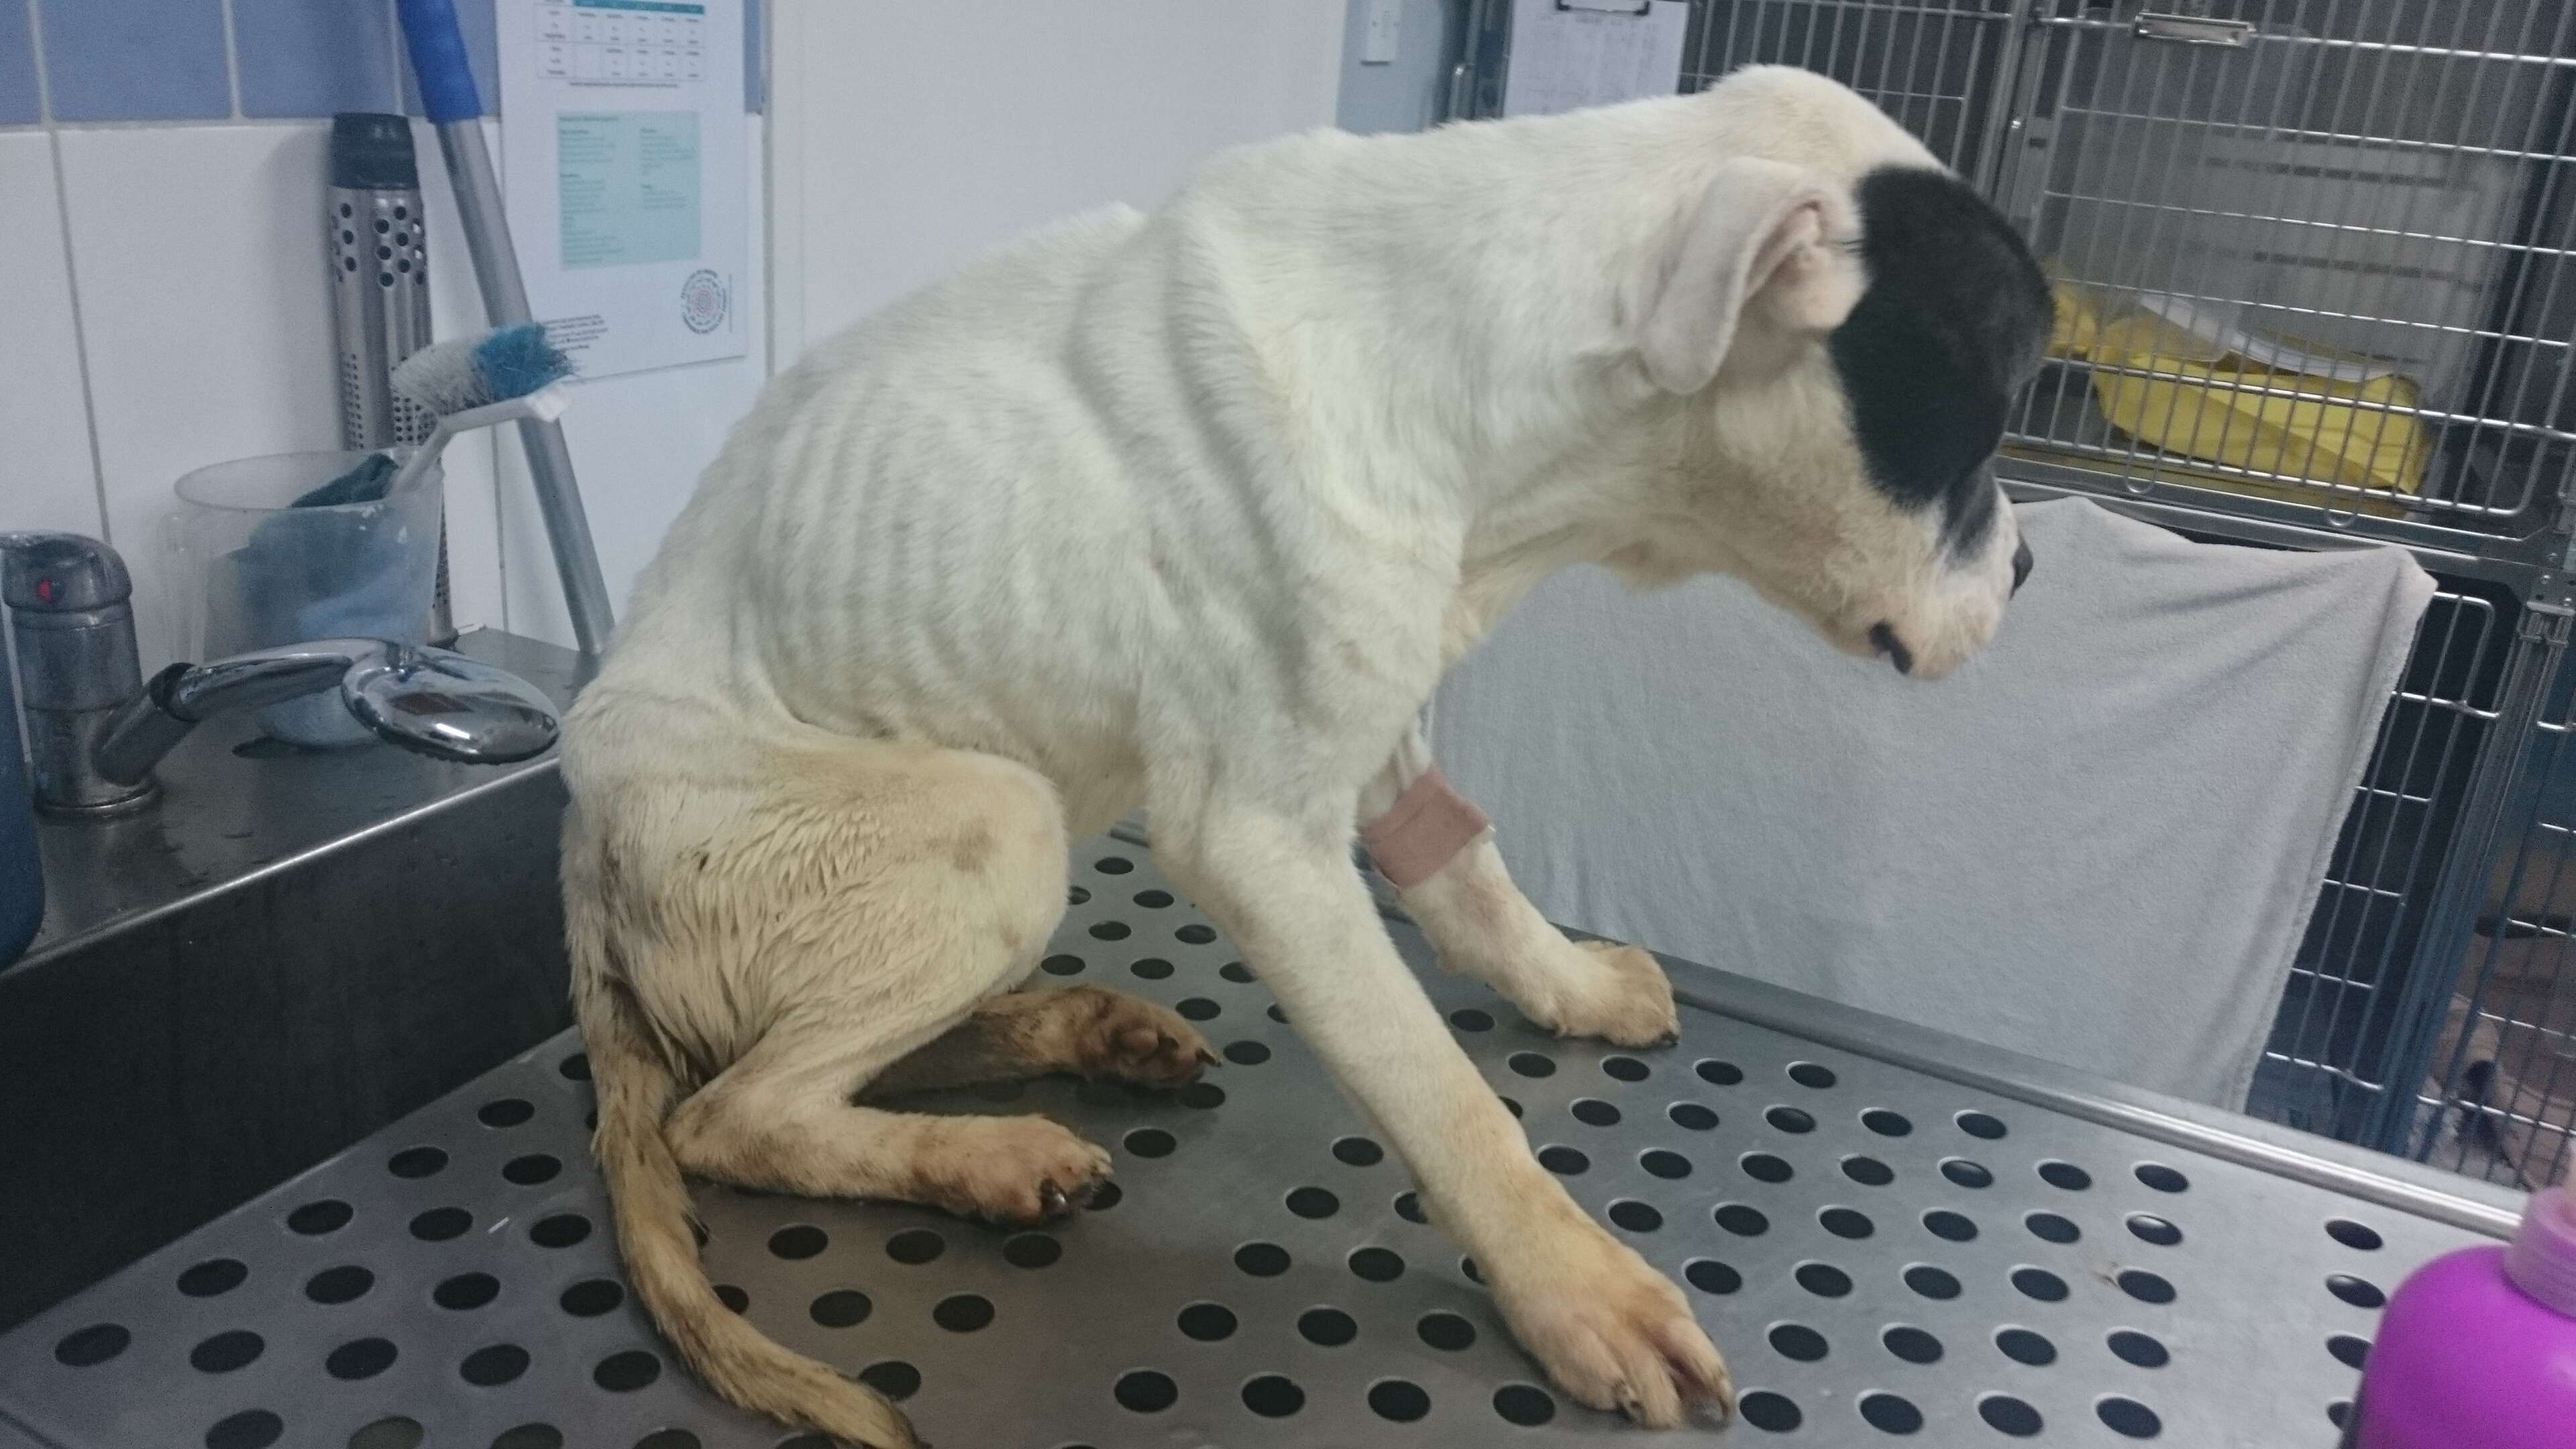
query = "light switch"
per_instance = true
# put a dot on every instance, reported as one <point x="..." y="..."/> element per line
<point x="1383" y="27"/>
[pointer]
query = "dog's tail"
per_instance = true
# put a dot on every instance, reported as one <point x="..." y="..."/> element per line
<point x="636" y="1093"/>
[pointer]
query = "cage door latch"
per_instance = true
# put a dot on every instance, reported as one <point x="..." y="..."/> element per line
<point x="2196" y="30"/>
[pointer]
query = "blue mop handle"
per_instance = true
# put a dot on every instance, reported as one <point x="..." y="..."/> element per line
<point x="437" y="46"/>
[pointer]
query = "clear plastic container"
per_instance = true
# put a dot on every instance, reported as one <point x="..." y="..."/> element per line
<point x="266" y="574"/>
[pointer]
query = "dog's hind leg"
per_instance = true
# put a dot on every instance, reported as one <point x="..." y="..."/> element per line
<point x="1484" y="927"/>
<point x="1089" y="1031"/>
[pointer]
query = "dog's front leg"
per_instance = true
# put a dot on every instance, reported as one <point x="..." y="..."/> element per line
<point x="1610" y="1331"/>
<point x="1432" y="846"/>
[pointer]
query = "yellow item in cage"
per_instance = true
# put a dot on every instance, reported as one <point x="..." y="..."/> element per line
<point x="2216" y="395"/>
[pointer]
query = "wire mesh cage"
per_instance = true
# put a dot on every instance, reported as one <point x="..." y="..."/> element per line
<point x="2312" y="268"/>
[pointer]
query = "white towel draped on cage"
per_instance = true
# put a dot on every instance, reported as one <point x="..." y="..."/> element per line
<point x="2099" y="843"/>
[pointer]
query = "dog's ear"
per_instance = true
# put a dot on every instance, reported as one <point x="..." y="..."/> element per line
<point x="1767" y="245"/>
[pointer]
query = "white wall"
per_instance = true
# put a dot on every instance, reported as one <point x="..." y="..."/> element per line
<point x="909" y="136"/>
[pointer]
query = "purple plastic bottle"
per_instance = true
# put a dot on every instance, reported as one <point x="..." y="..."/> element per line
<point x="2478" y="1349"/>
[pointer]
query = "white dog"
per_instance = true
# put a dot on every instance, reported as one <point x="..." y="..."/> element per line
<point x="1190" y="510"/>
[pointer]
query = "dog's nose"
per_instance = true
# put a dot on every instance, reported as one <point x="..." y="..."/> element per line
<point x="2021" y="565"/>
<point x="1883" y="635"/>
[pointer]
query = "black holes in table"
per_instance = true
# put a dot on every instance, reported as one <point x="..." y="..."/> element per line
<point x="360" y="1358"/>
<point x="911" y="1247"/>
<point x="1467" y="1266"/>
<point x="1113" y="865"/>
<point x="1237" y="972"/>
<point x="1398" y="1401"/>
<point x="1150" y="1142"/>
<point x="2007" y="1415"/>
<point x="327" y="1215"/>
<point x="1660" y="1162"/>
<point x="1146" y="1392"/>
<point x="1408" y="1206"/>
<point x="1446" y="1332"/>
<point x="2064" y="1176"/>
<point x="1327" y="1327"/>
<point x="1708" y="1275"/>
<point x="1377" y="1265"/>
<point x="1151" y="968"/>
<point x="840" y="1308"/>
<point x="1076" y="895"/>
<point x="1109" y="930"/>
<point x="963" y="1313"/>
<point x="2339" y="1413"/>
<point x="1691" y="1116"/>
<point x="91" y="1346"/>
<point x="1982" y="1126"/>
<point x="1275" y="1014"/>
<point x="1635" y="1216"/>
<point x="1564" y="1161"/>
<point x="670" y="1439"/>
<point x="1824" y="1280"/>
<point x="2039" y="1285"/>
<point x="1938" y="1284"/>
<point x="1531" y="1064"/>
<point x="1061" y="965"/>
<point x="2146" y="1287"/>
<point x="1814" y="1075"/>
<point x="1890" y="1414"/>
<point x="1246" y="1053"/>
<point x="1358" y="1152"/>
<point x="1797" y="1341"/>
<point x="560" y="1230"/>
<point x="1153" y="900"/>
<point x="1107" y="1195"/>
<point x="592" y="1297"/>
<point x="2050" y="1228"/>
<point x="225" y="1352"/>
<point x="1526" y="1405"/>
<point x="1849" y="1224"/>
<point x="1262" y="1260"/>
<point x="1203" y="1096"/>
<point x="2162" y="1178"/>
<point x="1197" y="1008"/>
<point x="414" y="1163"/>
<point x="1206" y="1322"/>
<point x="2348" y="1350"/>
<point x="2138" y="1350"/>
<point x="394" y="1432"/>
<point x="1625" y="1069"/>
<point x="1791" y="1120"/>
<point x="1742" y="1219"/>
<point x="1468" y="1018"/>
<point x="1886" y="1123"/>
<point x="2148" y="1228"/>
<point x="1766" y="1167"/>
<point x="896" y="1379"/>
<point x="493" y="1364"/>
<point x="1031" y="1250"/>
<point x="505" y="1112"/>
<point x="1771" y="1412"/>
<point x="1868" y="1171"/>
<point x="1593" y="1112"/>
<point x="732" y="1297"/>
<point x="532" y="1169"/>
<point x="574" y="1068"/>
<point x="2025" y="1347"/>
<point x="2128" y="1418"/>
<point x="1967" y="1174"/>
<point x="1950" y="1227"/>
<point x="1313" y="1203"/>
<point x="249" y="1429"/>
<point x="1273" y="1396"/>
<point x="1914" y="1345"/>
<point x="1196" y="935"/>
<point x="624" y="1373"/>
<point x="344" y="1284"/>
<point x="2357" y="1236"/>
<point x="213" y="1276"/>
<point x="1718" y="1073"/>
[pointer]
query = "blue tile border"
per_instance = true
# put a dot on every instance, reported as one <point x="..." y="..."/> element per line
<point x="300" y="58"/>
<point x="136" y="60"/>
<point x="18" y="98"/>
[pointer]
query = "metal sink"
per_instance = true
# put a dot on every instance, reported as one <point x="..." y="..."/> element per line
<point x="281" y="954"/>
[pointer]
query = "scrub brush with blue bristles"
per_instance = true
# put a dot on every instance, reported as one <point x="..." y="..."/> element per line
<point x="467" y="383"/>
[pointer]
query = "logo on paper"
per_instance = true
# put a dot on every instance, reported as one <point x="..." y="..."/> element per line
<point x="702" y="301"/>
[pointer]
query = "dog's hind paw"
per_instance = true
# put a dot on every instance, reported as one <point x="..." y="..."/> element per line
<point x="1014" y="1170"/>
<point x="1113" y="1036"/>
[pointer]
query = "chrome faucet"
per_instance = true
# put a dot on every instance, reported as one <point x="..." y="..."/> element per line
<point x="96" y="727"/>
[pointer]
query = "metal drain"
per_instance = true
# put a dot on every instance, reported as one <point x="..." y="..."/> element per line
<point x="1883" y="1255"/>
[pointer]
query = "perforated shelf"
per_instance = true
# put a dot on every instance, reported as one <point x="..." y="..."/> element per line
<point x="1884" y="1255"/>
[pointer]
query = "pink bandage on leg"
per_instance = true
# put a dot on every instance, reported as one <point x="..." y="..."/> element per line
<point x="1423" y="830"/>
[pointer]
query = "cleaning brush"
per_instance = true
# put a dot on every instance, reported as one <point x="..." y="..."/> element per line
<point x="466" y="383"/>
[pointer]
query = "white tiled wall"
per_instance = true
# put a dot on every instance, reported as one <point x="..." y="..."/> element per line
<point x="191" y="323"/>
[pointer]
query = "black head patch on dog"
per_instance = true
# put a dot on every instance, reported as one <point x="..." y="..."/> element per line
<point x="1955" y="319"/>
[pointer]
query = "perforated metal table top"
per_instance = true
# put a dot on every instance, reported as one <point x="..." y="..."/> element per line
<point x="1886" y="1252"/>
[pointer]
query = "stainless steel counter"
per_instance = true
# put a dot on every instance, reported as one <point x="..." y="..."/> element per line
<point x="1893" y="1234"/>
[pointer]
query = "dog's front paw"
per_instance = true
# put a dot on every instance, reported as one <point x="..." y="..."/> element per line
<point x="1615" y="1334"/>
<point x="1612" y="992"/>
<point x="1012" y="1170"/>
